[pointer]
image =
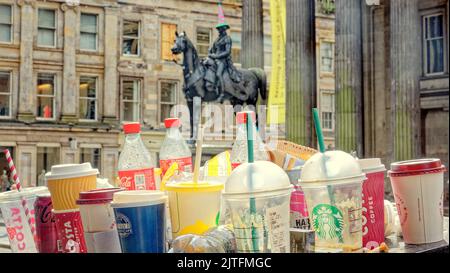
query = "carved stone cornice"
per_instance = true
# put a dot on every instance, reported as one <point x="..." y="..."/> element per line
<point x="70" y="5"/>
<point x="22" y="3"/>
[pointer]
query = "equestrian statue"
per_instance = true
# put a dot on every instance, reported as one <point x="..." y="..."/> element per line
<point x="215" y="78"/>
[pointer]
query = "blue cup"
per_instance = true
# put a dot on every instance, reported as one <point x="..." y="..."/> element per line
<point x="141" y="222"/>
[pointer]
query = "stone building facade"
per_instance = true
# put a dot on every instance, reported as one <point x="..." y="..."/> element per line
<point x="71" y="73"/>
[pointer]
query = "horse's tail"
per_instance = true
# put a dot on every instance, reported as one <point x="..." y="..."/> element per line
<point x="262" y="81"/>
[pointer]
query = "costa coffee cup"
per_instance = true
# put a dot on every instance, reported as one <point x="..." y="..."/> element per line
<point x="418" y="187"/>
<point x="373" y="202"/>
<point x="70" y="231"/>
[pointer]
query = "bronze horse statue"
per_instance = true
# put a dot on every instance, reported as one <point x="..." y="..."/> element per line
<point x="200" y="79"/>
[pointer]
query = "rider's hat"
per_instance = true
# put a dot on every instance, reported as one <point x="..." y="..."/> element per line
<point x="222" y="22"/>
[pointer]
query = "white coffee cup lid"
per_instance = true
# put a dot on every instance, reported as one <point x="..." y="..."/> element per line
<point x="371" y="165"/>
<point x="138" y="198"/>
<point x="71" y="170"/>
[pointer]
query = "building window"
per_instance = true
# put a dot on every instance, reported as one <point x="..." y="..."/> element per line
<point x="327" y="109"/>
<point x="326" y="57"/>
<point x="434" y="44"/>
<point x="130" y="38"/>
<point x="5" y="94"/>
<point x="5" y="23"/>
<point x="88" y="98"/>
<point x="88" y="31"/>
<point x="46" y="27"/>
<point x="45" y="96"/>
<point x="203" y="41"/>
<point x="131" y="105"/>
<point x="91" y="155"/>
<point x="46" y="158"/>
<point x="168" y="98"/>
<point x="236" y="48"/>
<point x="167" y="41"/>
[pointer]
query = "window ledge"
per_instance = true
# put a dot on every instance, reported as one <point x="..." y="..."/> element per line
<point x="9" y="45"/>
<point x="51" y="49"/>
<point x="434" y="77"/>
<point x="89" y="52"/>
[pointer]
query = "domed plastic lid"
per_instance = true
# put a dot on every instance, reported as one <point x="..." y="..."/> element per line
<point x="71" y="170"/>
<point x="416" y="167"/>
<point x="371" y="165"/>
<point x="331" y="166"/>
<point x="24" y="192"/>
<point x="137" y="198"/>
<point x="266" y="177"/>
<point x="97" y="196"/>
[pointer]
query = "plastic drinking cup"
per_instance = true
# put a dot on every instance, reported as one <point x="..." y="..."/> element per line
<point x="373" y="202"/>
<point x="194" y="207"/>
<point x="98" y="220"/>
<point x="65" y="182"/>
<point x="258" y="196"/>
<point x="418" y="187"/>
<point x="19" y="232"/>
<point x="141" y="221"/>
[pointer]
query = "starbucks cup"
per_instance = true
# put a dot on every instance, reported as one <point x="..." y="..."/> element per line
<point x="140" y="219"/>
<point x="98" y="220"/>
<point x="194" y="207"/>
<point x="373" y="202"/>
<point x="70" y="231"/>
<point x="16" y="222"/>
<point x="418" y="187"/>
<point x="332" y="183"/>
<point x="258" y="196"/>
<point x="65" y="182"/>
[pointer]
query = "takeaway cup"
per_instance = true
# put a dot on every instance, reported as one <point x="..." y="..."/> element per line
<point x="257" y="195"/>
<point x="299" y="213"/>
<point x="98" y="220"/>
<point x="70" y="231"/>
<point x="140" y="219"/>
<point x="418" y="187"/>
<point x="19" y="232"/>
<point x="332" y="183"/>
<point x="194" y="207"/>
<point x="65" y="182"/>
<point x="373" y="202"/>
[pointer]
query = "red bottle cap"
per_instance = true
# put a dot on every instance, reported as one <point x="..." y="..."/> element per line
<point x="98" y="196"/>
<point x="172" y="122"/>
<point x="132" y="128"/>
<point x="241" y="117"/>
<point x="416" y="167"/>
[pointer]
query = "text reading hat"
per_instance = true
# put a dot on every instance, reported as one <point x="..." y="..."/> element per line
<point x="221" y="15"/>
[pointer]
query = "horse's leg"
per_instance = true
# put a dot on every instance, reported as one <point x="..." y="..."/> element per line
<point x="190" y="104"/>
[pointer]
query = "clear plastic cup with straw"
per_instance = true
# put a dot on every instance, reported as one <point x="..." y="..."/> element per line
<point x="258" y="195"/>
<point x="332" y="183"/>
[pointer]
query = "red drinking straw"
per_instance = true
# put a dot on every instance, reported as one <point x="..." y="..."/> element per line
<point x="16" y="180"/>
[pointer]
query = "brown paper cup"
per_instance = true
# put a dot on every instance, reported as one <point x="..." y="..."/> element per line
<point x="66" y="191"/>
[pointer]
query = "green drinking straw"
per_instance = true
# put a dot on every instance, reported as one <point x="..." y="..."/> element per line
<point x="321" y="145"/>
<point x="250" y="154"/>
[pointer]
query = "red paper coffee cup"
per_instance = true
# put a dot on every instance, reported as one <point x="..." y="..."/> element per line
<point x="373" y="202"/>
<point x="70" y="231"/>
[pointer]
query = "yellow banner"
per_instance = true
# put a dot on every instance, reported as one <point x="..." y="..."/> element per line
<point x="277" y="100"/>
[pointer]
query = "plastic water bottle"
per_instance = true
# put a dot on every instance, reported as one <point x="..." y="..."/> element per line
<point x="174" y="148"/>
<point x="136" y="166"/>
<point x="239" y="151"/>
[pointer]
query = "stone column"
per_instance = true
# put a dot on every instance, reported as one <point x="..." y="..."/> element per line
<point x="111" y="93"/>
<point x="300" y="71"/>
<point x="252" y="54"/>
<point x="348" y="71"/>
<point x="26" y="83"/>
<point x="70" y="85"/>
<point x="405" y="70"/>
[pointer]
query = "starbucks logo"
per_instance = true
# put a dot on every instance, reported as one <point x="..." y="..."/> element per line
<point x="402" y="210"/>
<point x="328" y="222"/>
<point x="123" y="225"/>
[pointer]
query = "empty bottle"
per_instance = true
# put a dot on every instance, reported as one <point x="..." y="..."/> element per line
<point x="136" y="166"/>
<point x="174" y="148"/>
<point x="239" y="150"/>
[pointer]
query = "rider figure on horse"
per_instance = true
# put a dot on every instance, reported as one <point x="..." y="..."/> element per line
<point x="220" y="52"/>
